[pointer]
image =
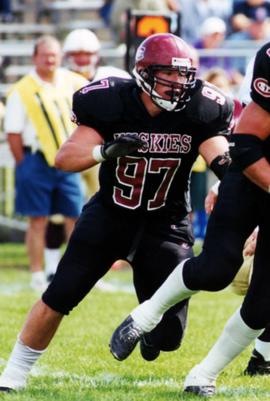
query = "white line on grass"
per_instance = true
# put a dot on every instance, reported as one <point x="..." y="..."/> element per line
<point x="103" y="379"/>
<point x="114" y="286"/>
<point x="105" y="286"/>
<point x="13" y="288"/>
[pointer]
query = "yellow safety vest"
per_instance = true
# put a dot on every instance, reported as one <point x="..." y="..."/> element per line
<point x="199" y="165"/>
<point x="49" y="109"/>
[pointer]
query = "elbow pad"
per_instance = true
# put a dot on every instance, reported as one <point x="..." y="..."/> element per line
<point x="220" y="165"/>
<point x="245" y="149"/>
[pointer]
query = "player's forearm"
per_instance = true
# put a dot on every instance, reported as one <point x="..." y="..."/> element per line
<point x="74" y="158"/>
<point x="259" y="174"/>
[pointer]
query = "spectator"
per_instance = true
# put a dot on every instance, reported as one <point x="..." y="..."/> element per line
<point x="105" y="11"/>
<point x="258" y="28"/>
<point x="198" y="189"/>
<point x="246" y="11"/>
<point x="81" y="49"/>
<point x="6" y="11"/>
<point x="219" y="77"/>
<point x="195" y="12"/>
<point x="41" y="102"/>
<point x="213" y="32"/>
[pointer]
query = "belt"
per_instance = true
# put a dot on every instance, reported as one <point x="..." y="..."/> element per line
<point x="28" y="149"/>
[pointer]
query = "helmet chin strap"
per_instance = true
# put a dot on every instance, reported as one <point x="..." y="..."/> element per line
<point x="163" y="104"/>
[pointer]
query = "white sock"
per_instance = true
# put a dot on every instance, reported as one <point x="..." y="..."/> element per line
<point x="235" y="337"/>
<point x="51" y="260"/>
<point x="148" y="314"/>
<point x="263" y="348"/>
<point x="20" y="362"/>
<point x="38" y="279"/>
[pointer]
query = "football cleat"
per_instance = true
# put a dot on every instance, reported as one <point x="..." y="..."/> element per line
<point x="197" y="383"/>
<point x="125" y="339"/>
<point x="148" y="351"/>
<point x="203" y="391"/>
<point x="6" y="389"/>
<point x="257" y="365"/>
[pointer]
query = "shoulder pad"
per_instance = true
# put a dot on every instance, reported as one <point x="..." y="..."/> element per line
<point x="102" y="99"/>
<point x="209" y="105"/>
<point x="260" y="87"/>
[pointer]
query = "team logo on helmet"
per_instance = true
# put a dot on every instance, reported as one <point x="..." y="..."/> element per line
<point x="262" y="87"/>
<point x="268" y="52"/>
<point x="140" y="53"/>
<point x="181" y="62"/>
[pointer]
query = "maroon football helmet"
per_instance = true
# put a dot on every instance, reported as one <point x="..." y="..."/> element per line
<point x="163" y="52"/>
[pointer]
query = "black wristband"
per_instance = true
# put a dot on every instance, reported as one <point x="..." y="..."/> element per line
<point x="220" y="165"/>
<point x="246" y="149"/>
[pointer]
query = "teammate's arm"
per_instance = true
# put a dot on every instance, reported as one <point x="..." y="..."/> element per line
<point x="256" y="121"/>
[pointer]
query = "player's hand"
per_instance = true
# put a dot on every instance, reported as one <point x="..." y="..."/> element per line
<point x="250" y="244"/>
<point x="211" y="198"/>
<point x="210" y="201"/>
<point x="122" y="146"/>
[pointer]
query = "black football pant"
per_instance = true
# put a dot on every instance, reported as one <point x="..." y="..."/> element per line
<point x="154" y="246"/>
<point x="241" y="206"/>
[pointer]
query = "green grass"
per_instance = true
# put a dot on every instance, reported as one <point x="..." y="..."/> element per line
<point x="78" y="365"/>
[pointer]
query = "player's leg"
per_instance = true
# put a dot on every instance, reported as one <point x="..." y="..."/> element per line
<point x="150" y="270"/>
<point x="259" y="362"/>
<point x="243" y="327"/>
<point x="163" y="245"/>
<point x="89" y="255"/>
<point x="236" y="336"/>
<point x="229" y="225"/>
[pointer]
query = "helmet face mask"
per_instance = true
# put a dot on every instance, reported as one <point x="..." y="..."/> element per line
<point x="165" y="61"/>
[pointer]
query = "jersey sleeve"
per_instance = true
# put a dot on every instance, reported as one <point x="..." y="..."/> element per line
<point x="212" y="111"/>
<point x="97" y="105"/>
<point x="260" y="87"/>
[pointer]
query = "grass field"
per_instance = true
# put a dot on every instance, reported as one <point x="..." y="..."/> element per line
<point x="78" y="365"/>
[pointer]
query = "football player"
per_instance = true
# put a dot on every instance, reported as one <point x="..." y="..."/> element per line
<point x="259" y="363"/>
<point x="146" y="134"/>
<point x="242" y="205"/>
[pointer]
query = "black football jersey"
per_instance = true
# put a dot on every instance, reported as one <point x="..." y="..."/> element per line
<point x="154" y="179"/>
<point x="260" y="86"/>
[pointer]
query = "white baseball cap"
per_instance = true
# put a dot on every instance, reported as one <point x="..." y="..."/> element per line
<point x="81" y="40"/>
<point x="213" y="25"/>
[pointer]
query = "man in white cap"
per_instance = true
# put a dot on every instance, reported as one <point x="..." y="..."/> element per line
<point x="82" y="54"/>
